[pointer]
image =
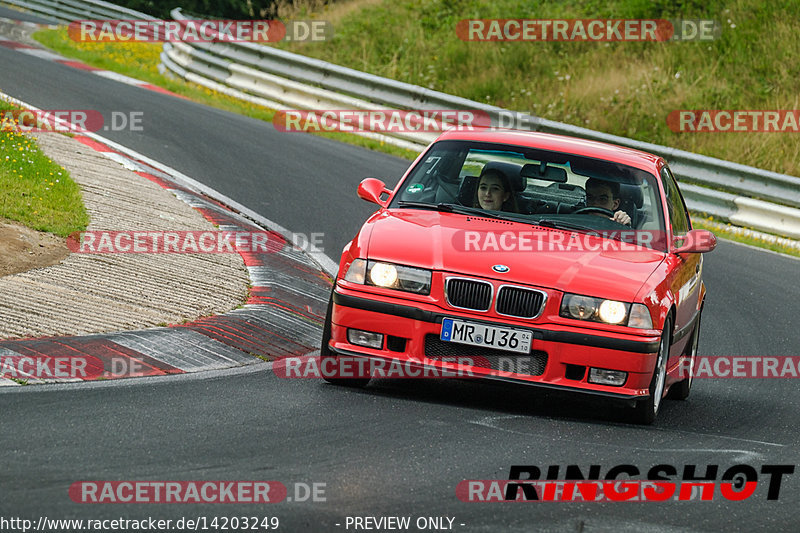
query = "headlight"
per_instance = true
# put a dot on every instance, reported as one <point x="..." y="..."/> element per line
<point x="383" y="275"/>
<point x="612" y="312"/>
<point x="389" y="276"/>
<point x="582" y="307"/>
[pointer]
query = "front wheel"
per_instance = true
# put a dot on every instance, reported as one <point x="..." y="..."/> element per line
<point x="646" y="410"/>
<point x="680" y="390"/>
<point x="326" y="353"/>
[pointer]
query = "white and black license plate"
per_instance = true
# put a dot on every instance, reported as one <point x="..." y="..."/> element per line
<point x="475" y="334"/>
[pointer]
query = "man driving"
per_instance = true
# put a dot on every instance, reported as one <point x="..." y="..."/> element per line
<point x="605" y="194"/>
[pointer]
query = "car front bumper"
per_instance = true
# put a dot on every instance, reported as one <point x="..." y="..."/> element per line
<point x="560" y="356"/>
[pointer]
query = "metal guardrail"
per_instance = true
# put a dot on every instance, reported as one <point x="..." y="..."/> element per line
<point x="69" y="10"/>
<point x="282" y="80"/>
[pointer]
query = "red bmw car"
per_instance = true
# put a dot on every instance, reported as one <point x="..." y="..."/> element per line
<point x="525" y="257"/>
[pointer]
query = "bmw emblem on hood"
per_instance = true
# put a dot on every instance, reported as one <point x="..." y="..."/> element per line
<point x="500" y="269"/>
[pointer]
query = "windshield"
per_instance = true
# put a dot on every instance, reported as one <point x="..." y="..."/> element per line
<point x="544" y="188"/>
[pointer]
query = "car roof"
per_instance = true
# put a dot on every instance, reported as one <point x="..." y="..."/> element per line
<point x="559" y="143"/>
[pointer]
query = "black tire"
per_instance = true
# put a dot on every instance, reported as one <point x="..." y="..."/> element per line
<point x="681" y="390"/>
<point x="326" y="353"/>
<point x="646" y="410"/>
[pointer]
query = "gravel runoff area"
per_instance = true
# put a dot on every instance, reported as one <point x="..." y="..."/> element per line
<point x="100" y="293"/>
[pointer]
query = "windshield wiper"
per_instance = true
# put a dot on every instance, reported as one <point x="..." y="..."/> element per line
<point x="560" y="224"/>
<point x="450" y="208"/>
<point x="425" y="205"/>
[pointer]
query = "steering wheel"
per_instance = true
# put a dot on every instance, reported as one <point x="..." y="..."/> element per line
<point x="599" y="210"/>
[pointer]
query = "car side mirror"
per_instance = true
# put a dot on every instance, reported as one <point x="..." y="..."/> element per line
<point x="370" y="189"/>
<point x="697" y="241"/>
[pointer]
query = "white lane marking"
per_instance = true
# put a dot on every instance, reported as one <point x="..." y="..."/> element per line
<point x="124" y="161"/>
<point x="120" y="78"/>
<point x="490" y="422"/>
<point x="38" y="52"/>
<point x="764" y="443"/>
<point x="741" y="455"/>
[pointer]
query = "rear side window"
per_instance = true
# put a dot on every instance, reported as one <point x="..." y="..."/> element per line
<point x="678" y="217"/>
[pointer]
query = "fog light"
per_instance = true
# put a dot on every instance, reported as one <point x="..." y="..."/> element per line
<point x="601" y="376"/>
<point x="365" y="338"/>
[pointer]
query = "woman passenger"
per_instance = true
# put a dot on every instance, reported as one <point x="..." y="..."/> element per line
<point x="494" y="192"/>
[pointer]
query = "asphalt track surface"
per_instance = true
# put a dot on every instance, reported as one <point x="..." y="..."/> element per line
<point x="397" y="448"/>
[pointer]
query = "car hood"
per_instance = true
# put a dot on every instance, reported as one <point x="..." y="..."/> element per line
<point x="462" y="244"/>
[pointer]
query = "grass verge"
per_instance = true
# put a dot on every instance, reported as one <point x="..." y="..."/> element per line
<point x="34" y="190"/>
